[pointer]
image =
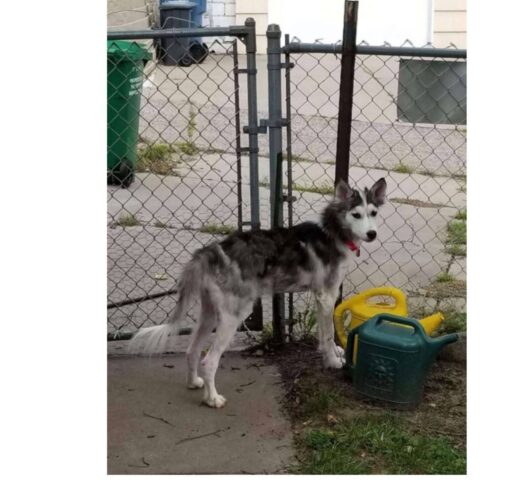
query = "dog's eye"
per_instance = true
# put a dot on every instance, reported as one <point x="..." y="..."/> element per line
<point x="374" y="213"/>
<point x="356" y="215"/>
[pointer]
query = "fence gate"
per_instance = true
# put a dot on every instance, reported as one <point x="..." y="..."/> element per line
<point x="194" y="177"/>
<point x="400" y="115"/>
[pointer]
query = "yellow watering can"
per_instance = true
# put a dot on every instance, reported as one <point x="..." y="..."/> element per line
<point x="359" y="308"/>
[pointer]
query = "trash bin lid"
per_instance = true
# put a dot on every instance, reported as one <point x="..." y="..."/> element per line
<point x="123" y="50"/>
<point x="177" y="4"/>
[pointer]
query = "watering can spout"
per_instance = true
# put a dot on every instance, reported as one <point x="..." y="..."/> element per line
<point x="438" y="343"/>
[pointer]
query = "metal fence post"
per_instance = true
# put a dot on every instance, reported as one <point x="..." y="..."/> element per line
<point x="276" y="159"/>
<point x="252" y="99"/>
<point x="349" y="39"/>
<point x="255" y="321"/>
<point x="274" y="121"/>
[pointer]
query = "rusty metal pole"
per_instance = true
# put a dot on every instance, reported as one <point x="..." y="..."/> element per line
<point x="349" y="39"/>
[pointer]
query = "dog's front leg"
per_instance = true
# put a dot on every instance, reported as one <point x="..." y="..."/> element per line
<point x="332" y="355"/>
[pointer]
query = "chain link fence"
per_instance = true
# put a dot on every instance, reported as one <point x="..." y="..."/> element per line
<point x="185" y="188"/>
<point x="408" y="125"/>
<point x="190" y="185"/>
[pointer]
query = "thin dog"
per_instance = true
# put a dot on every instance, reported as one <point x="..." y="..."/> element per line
<point x="228" y="276"/>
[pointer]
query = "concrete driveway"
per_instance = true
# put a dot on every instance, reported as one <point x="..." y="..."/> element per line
<point x="157" y="426"/>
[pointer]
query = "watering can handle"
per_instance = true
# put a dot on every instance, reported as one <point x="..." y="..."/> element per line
<point x="404" y="321"/>
<point x="350" y="348"/>
<point x="393" y="292"/>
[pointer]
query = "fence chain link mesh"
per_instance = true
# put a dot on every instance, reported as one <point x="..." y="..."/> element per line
<point x="186" y="188"/>
<point x="408" y="125"/>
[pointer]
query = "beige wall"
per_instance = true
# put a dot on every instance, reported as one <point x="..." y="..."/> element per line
<point x="257" y="9"/>
<point x="129" y="14"/>
<point x="450" y="23"/>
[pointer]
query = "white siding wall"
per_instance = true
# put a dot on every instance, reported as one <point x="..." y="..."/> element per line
<point x="379" y="21"/>
<point x="450" y="23"/>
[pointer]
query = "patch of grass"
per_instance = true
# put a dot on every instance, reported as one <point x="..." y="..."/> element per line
<point x="377" y="444"/>
<point x="323" y="189"/>
<point x="403" y="168"/>
<point x="156" y="158"/>
<point x="320" y="402"/>
<point x="216" y="229"/>
<point x="457" y="233"/>
<point x="444" y="277"/>
<point x="453" y="322"/>
<point x="127" y="220"/>
<point x="187" y="148"/>
<point x="456" y="250"/>
<point x="461" y="215"/>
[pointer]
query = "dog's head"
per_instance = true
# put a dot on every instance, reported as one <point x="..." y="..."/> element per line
<point x="359" y="208"/>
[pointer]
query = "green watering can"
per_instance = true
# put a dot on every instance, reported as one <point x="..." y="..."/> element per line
<point x="392" y="360"/>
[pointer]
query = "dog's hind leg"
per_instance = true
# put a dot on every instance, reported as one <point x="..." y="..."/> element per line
<point x="228" y="323"/>
<point x="325" y="301"/>
<point x="206" y="323"/>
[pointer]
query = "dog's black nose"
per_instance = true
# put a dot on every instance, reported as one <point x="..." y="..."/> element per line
<point x="371" y="235"/>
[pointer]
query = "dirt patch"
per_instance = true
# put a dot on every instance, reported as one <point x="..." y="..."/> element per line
<point x="321" y="397"/>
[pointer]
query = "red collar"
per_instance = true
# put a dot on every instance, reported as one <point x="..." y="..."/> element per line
<point x="353" y="247"/>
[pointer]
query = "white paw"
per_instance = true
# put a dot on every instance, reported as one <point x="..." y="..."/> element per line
<point x="333" y="362"/>
<point x="197" y="383"/>
<point x="339" y="352"/>
<point x="215" y="402"/>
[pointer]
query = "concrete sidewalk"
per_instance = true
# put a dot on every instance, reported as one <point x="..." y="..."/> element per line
<point x="157" y="426"/>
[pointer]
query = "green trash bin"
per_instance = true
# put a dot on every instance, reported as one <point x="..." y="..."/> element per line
<point x="126" y="61"/>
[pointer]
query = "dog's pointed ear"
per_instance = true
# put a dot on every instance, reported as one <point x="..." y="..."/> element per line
<point x="343" y="192"/>
<point x="378" y="192"/>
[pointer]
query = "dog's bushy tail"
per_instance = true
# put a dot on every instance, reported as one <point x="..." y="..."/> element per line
<point x="152" y="340"/>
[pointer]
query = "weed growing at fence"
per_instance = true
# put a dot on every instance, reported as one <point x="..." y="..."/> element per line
<point x="444" y="277"/>
<point x="216" y="229"/>
<point x="416" y="203"/>
<point x="457" y="233"/>
<point x="189" y="147"/>
<point x="461" y="215"/>
<point x="456" y="250"/>
<point x="403" y="168"/>
<point x="304" y="325"/>
<point x="127" y="220"/>
<point x="156" y="158"/>
<point x="453" y="322"/>
<point x="160" y="224"/>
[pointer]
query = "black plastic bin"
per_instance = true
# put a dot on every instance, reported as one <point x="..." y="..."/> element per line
<point x="176" y="51"/>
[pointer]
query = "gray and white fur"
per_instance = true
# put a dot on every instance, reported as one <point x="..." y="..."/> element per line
<point x="228" y="277"/>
